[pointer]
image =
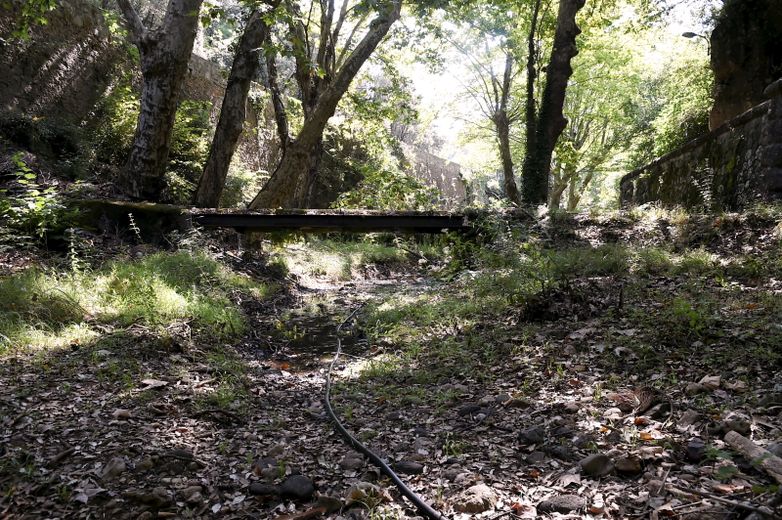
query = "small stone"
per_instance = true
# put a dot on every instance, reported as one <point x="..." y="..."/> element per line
<point x="737" y="422"/>
<point x="534" y="435"/>
<point x="260" y="489"/>
<point x="157" y="498"/>
<point x="351" y="462"/>
<point x="266" y="467"/>
<point x="562" y="504"/>
<point x="689" y="417"/>
<point x="145" y="464"/>
<point x="775" y="448"/>
<point x="121" y="414"/>
<point x="297" y="487"/>
<point x="328" y="504"/>
<point x="469" y="409"/>
<point x="694" y="389"/>
<point x="571" y="407"/>
<point x="613" y="413"/>
<point x="113" y="469"/>
<point x="191" y="494"/>
<point x="695" y="450"/>
<point x="536" y="457"/>
<point x="560" y="451"/>
<point x="452" y="473"/>
<point x="711" y="382"/>
<point x="597" y="465"/>
<point x="367" y="494"/>
<point x="408" y="467"/>
<point x="475" y="499"/>
<point x="655" y="486"/>
<point x="518" y="403"/>
<point x="630" y="465"/>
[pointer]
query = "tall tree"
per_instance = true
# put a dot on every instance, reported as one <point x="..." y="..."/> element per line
<point x="323" y="73"/>
<point x="245" y="67"/>
<point x="550" y="120"/>
<point x="164" y="52"/>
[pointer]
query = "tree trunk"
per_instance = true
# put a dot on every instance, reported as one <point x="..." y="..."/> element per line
<point x="551" y="120"/>
<point x="558" y="187"/>
<point x="165" y="53"/>
<point x="232" y="114"/>
<point x="502" y="125"/>
<point x="291" y="183"/>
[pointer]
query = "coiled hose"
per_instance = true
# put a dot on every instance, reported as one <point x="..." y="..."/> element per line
<point x="424" y="508"/>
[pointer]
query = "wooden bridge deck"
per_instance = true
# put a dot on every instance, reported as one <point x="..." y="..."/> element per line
<point x="161" y="217"/>
<point x="331" y="220"/>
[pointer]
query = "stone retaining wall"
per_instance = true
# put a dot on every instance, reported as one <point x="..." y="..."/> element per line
<point x="736" y="164"/>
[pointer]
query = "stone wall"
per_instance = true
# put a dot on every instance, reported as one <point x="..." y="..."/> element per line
<point x="730" y="167"/>
<point x="63" y="69"/>
<point x="68" y="65"/>
<point x="439" y="173"/>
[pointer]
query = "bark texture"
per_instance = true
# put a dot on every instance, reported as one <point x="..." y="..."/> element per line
<point x="165" y="53"/>
<point x="502" y="123"/>
<point x="232" y="114"/>
<point x="291" y="183"/>
<point x="551" y="120"/>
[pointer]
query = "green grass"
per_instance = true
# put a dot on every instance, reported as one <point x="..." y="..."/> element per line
<point x="342" y="260"/>
<point x="44" y="309"/>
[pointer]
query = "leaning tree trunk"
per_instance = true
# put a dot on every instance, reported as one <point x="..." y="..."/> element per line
<point x="551" y="120"/>
<point x="165" y="53"/>
<point x="290" y="184"/>
<point x="232" y="114"/>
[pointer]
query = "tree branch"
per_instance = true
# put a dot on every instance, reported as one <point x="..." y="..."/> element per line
<point x="132" y="20"/>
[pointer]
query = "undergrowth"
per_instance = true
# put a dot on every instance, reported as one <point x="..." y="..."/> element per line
<point x="47" y="309"/>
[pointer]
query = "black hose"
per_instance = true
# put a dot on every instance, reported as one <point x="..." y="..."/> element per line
<point x="424" y="508"/>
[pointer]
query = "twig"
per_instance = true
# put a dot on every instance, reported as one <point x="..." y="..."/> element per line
<point x="734" y="503"/>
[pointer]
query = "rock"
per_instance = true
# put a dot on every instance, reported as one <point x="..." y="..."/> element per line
<point x="562" y="504"/>
<point x="597" y="465"/>
<point x="613" y="413"/>
<point x="351" y="462"/>
<point x="560" y="451"/>
<point x="121" y="414"/>
<point x="710" y="382"/>
<point x="469" y="409"/>
<point x="191" y="495"/>
<point x="261" y="489"/>
<point x="517" y="403"/>
<point x="695" y="450"/>
<point x="655" y="486"/>
<point x="689" y="417"/>
<point x="408" y="467"/>
<point x="536" y="457"/>
<point x="629" y="465"/>
<point x="145" y="464"/>
<point x="157" y="498"/>
<point x="366" y="493"/>
<point x="571" y="407"/>
<point x="534" y="435"/>
<point x="113" y="469"/>
<point x="476" y="499"/>
<point x="266" y="467"/>
<point x="297" y="487"/>
<point x="769" y="400"/>
<point x="737" y="422"/>
<point x="694" y="389"/>
<point x="328" y="504"/>
<point x="452" y="473"/>
<point x="775" y="448"/>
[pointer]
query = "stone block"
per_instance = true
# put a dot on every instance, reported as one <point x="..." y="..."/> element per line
<point x="772" y="155"/>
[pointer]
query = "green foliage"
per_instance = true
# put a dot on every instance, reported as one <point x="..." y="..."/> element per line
<point x="31" y="13"/>
<point x="29" y="210"/>
<point x="190" y="138"/>
<point x="45" y="309"/>
<point x="387" y="190"/>
<point x="189" y="150"/>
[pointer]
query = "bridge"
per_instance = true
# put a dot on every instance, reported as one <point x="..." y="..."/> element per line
<point x="156" y="218"/>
